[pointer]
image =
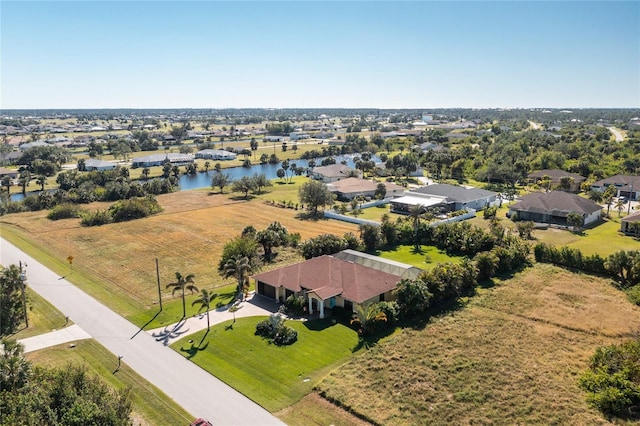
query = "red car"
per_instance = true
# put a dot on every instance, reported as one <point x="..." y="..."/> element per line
<point x="201" y="422"/>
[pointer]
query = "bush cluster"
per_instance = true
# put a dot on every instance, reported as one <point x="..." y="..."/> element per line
<point x="612" y="382"/>
<point x="570" y="258"/>
<point x="123" y="210"/>
<point x="276" y="331"/>
<point x="65" y="211"/>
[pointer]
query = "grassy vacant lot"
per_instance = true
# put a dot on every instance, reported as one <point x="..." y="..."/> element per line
<point x="273" y="376"/>
<point x="116" y="263"/>
<point x="426" y="258"/>
<point x="511" y="356"/>
<point x="150" y="405"/>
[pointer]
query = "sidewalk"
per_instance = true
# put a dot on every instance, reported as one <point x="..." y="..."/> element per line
<point x="255" y="305"/>
<point x="69" y="334"/>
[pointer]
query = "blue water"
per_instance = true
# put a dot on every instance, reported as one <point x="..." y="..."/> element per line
<point x="203" y="180"/>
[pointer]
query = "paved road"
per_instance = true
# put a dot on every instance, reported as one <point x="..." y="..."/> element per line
<point x="616" y="133"/>
<point x="194" y="389"/>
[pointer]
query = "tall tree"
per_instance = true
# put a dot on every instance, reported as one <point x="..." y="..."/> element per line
<point x="315" y="194"/>
<point x="416" y="213"/>
<point x="180" y="284"/>
<point x="220" y="180"/>
<point x="42" y="181"/>
<point x="11" y="302"/>
<point x="238" y="267"/>
<point x="204" y="300"/>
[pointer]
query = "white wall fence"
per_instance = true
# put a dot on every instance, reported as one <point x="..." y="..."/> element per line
<point x="468" y="215"/>
<point x="351" y="219"/>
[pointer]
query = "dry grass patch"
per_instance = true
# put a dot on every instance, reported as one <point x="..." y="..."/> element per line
<point x="511" y="356"/>
<point x="187" y="237"/>
<point x="315" y="410"/>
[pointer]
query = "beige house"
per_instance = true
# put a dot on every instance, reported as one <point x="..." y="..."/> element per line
<point x="326" y="282"/>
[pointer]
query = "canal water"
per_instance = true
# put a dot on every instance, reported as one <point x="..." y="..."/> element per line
<point x="203" y="180"/>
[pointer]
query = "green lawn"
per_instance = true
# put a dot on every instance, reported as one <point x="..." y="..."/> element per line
<point x="150" y="405"/>
<point x="43" y="317"/>
<point x="274" y="377"/>
<point x="172" y="309"/>
<point x="426" y="258"/>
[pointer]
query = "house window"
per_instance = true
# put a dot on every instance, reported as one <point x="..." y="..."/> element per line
<point x="381" y="298"/>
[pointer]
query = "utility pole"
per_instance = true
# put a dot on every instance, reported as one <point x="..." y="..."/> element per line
<point x="23" y="280"/>
<point x="158" y="278"/>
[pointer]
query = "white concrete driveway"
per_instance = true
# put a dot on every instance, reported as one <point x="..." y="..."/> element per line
<point x="194" y="389"/>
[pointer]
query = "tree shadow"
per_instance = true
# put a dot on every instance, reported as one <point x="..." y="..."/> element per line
<point x="417" y="250"/>
<point x="148" y="322"/>
<point x="169" y="332"/>
<point x="320" y="324"/>
<point x="242" y="197"/>
<point x="305" y="215"/>
<point x="371" y="341"/>
<point x="193" y="350"/>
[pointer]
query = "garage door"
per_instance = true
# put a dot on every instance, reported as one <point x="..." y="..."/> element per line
<point x="266" y="290"/>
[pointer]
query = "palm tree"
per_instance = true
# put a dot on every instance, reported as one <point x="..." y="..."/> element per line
<point x="205" y="300"/>
<point x="620" y="205"/>
<point x="181" y="283"/>
<point x="415" y="214"/>
<point x="42" y="181"/>
<point x="238" y="267"/>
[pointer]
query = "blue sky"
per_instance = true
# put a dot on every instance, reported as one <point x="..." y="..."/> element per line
<point x="420" y="54"/>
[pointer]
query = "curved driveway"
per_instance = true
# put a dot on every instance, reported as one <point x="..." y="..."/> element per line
<point x="197" y="391"/>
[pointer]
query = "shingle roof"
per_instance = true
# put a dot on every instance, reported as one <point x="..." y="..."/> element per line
<point x="333" y="170"/>
<point x="621" y="181"/>
<point x="329" y="276"/>
<point x="633" y="217"/>
<point x="455" y="193"/>
<point x="556" y="203"/>
<point x="352" y="184"/>
<point x="555" y="174"/>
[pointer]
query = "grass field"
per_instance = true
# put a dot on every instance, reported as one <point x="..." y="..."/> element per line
<point x="43" y="317"/>
<point x="273" y="376"/>
<point x="511" y="356"/>
<point x="116" y="263"/>
<point x="150" y="405"/>
<point x="426" y="258"/>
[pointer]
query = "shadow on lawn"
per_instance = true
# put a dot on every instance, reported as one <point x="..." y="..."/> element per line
<point x="148" y="322"/>
<point x="320" y="324"/>
<point x="193" y="350"/>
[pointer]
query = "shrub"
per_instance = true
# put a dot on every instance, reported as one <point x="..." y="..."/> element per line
<point x="490" y="212"/>
<point x="294" y="305"/>
<point x="65" y="211"/>
<point x="633" y="294"/>
<point x="613" y="380"/>
<point x="135" y="208"/>
<point x="276" y="331"/>
<point x="97" y="218"/>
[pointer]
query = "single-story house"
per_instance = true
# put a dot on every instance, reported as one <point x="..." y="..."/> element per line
<point x="175" y="159"/>
<point x="445" y="197"/>
<point x="627" y="186"/>
<point x="333" y="173"/>
<point x="294" y="136"/>
<point x="269" y="138"/>
<point x="554" y="207"/>
<point x="430" y="146"/>
<point x="326" y="282"/>
<point x="349" y="188"/>
<point x="11" y="173"/>
<point x="627" y="221"/>
<point x="93" y="164"/>
<point x="556" y="176"/>
<point x="28" y="145"/>
<point x="216" y="154"/>
<point x="402" y="270"/>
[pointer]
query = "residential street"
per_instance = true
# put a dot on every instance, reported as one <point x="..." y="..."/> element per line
<point x="195" y="390"/>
